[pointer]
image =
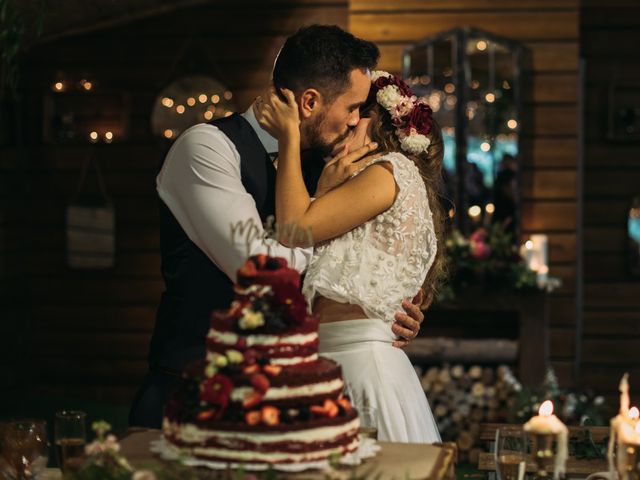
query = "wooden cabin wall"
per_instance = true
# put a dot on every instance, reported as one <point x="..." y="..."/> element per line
<point x="92" y="328"/>
<point x="610" y="35"/>
<point x="549" y="30"/>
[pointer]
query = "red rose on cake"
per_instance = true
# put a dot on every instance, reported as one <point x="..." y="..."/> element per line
<point x="216" y="391"/>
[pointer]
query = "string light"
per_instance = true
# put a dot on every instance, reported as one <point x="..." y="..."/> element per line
<point x="87" y="85"/>
<point x="475" y="84"/>
<point x="215" y="98"/>
<point x="168" y="133"/>
<point x="108" y="137"/>
<point x="93" y="137"/>
<point x="490" y="97"/>
<point x="180" y="109"/>
<point x="58" y="86"/>
<point x="191" y="101"/>
<point x="485" y="146"/>
<point x="489" y="208"/>
<point x="228" y="95"/>
<point x="452" y="213"/>
<point x="202" y="98"/>
<point x="425" y="79"/>
<point x="167" y="102"/>
<point x="512" y="124"/>
<point x="208" y="115"/>
<point x="449" y="88"/>
<point x="475" y="211"/>
<point x="506" y="85"/>
<point x="227" y="113"/>
<point x="481" y="45"/>
<point x="447" y="71"/>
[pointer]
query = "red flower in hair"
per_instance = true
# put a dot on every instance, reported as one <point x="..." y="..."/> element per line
<point x="420" y="119"/>
<point x="382" y="82"/>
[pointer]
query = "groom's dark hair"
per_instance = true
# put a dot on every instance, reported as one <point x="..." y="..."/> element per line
<point x="322" y="57"/>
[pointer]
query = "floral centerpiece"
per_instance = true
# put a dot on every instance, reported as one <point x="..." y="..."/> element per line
<point x="487" y="258"/>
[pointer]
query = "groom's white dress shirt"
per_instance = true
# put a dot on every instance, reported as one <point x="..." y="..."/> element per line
<point x="200" y="183"/>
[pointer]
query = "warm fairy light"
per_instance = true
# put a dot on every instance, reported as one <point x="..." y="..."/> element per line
<point x="180" y="109"/>
<point x="485" y="146"/>
<point x="215" y="98"/>
<point x="93" y="137"/>
<point x="512" y="124"/>
<point x="167" y="102"/>
<point x="191" y="101"/>
<point x="506" y="85"/>
<point x="481" y="45"/>
<point x="108" y="137"/>
<point x="87" y="85"/>
<point x="546" y="409"/>
<point x="208" y="115"/>
<point x="452" y="213"/>
<point x="202" y="98"/>
<point x="451" y="100"/>
<point x="228" y="95"/>
<point x="425" y="79"/>
<point x="59" y="86"/>
<point x="490" y="97"/>
<point x="449" y="88"/>
<point x="528" y="245"/>
<point x="226" y="114"/>
<point x="489" y="208"/>
<point x="475" y="211"/>
<point x="475" y="84"/>
<point x="168" y="133"/>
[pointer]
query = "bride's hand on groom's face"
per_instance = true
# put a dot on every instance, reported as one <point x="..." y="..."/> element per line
<point x="277" y="116"/>
<point x="407" y="325"/>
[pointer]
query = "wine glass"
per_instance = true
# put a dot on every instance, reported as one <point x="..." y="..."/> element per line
<point x="70" y="438"/>
<point x="25" y="449"/>
<point x="510" y="452"/>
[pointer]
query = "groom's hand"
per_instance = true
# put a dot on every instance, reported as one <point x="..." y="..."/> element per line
<point x="345" y="161"/>
<point x="407" y="325"/>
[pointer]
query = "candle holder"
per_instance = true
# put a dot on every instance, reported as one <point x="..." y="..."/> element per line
<point x="543" y="453"/>
<point x="627" y="461"/>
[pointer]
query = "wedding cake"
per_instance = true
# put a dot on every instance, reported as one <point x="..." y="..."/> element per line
<point x="262" y="395"/>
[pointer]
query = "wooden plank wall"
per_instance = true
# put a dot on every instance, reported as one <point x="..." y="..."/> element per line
<point x="93" y="327"/>
<point x="610" y="33"/>
<point x="550" y="31"/>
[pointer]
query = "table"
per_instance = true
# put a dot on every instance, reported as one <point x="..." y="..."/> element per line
<point x="395" y="460"/>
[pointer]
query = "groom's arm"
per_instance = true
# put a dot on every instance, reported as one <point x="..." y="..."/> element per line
<point x="200" y="183"/>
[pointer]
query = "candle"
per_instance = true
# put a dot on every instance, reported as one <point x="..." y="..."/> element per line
<point x="625" y="430"/>
<point x="546" y="423"/>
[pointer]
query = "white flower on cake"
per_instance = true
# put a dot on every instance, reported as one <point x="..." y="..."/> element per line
<point x="210" y="370"/>
<point x="414" y="142"/>
<point x="250" y="319"/>
<point x="389" y="96"/>
<point x="234" y="356"/>
<point x="220" y="360"/>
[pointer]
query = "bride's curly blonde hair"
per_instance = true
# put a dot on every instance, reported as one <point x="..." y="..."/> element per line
<point x="383" y="131"/>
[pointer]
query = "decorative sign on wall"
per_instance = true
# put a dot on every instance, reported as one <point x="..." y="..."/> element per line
<point x="189" y="101"/>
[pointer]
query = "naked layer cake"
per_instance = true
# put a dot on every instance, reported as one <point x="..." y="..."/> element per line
<point x="263" y="395"/>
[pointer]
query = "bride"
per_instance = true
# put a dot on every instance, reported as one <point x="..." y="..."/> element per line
<point x="377" y="239"/>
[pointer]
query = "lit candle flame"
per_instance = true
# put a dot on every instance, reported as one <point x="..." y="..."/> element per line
<point x="634" y="413"/>
<point x="546" y="409"/>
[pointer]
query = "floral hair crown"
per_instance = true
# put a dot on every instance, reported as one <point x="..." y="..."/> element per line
<point x="412" y="117"/>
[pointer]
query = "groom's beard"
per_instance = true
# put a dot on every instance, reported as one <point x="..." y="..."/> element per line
<point x="316" y="142"/>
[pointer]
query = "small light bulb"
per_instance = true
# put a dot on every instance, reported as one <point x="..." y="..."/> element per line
<point x="228" y="95"/>
<point x="59" y="86"/>
<point x="449" y="88"/>
<point x="191" y="101"/>
<point x="108" y="137"/>
<point x="489" y="208"/>
<point x="474" y="211"/>
<point x="481" y="45"/>
<point x="485" y="146"/>
<point x="167" y="102"/>
<point x="512" y="124"/>
<point x="168" y="133"/>
<point x="202" y="98"/>
<point x="180" y="109"/>
<point x="208" y="115"/>
<point x="490" y="97"/>
<point x="215" y="98"/>
<point x="93" y="137"/>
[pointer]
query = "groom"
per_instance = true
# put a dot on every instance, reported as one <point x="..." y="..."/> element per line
<point x="221" y="173"/>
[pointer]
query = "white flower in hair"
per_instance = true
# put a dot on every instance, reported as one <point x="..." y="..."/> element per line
<point x="389" y="97"/>
<point x="404" y="107"/>
<point x="376" y="74"/>
<point x="414" y="142"/>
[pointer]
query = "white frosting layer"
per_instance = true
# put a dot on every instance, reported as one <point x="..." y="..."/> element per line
<point x="281" y="361"/>
<point x="279" y="393"/>
<point x="190" y="433"/>
<point x="273" y="457"/>
<point x="230" y="338"/>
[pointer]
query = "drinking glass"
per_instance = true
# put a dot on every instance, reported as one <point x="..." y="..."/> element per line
<point x="70" y="438"/>
<point x="510" y="452"/>
<point x="24" y="448"/>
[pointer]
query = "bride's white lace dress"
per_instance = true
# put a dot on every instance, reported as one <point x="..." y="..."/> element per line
<point x="375" y="266"/>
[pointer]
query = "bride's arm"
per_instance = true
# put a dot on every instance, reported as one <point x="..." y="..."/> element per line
<point x="338" y="211"/>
